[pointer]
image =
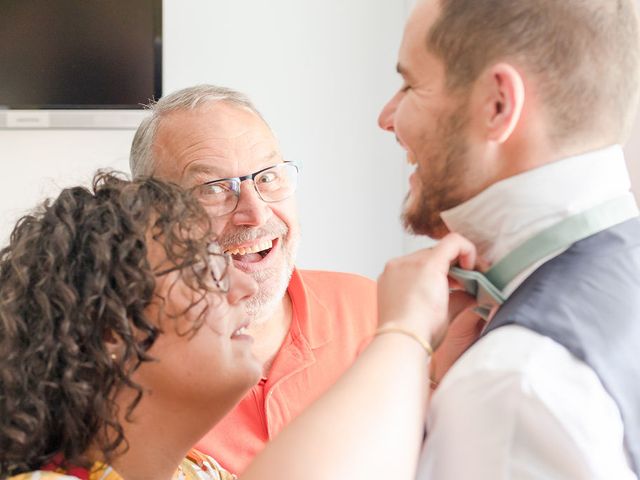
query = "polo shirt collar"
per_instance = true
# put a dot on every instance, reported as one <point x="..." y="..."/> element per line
<point x="303" y="303"/>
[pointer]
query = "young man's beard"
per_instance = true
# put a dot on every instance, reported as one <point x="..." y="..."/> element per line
<point x="441" y="176"/>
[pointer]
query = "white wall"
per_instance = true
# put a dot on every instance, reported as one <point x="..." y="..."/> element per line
<point x="319" y="72"/>
<point x="37" y="163"/>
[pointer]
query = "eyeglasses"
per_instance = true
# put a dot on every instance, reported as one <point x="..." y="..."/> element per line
<point x="217" y="262"/>
<point x="272" y="184"/>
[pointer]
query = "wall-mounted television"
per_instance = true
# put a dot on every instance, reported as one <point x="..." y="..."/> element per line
<point x="78" y="63"/>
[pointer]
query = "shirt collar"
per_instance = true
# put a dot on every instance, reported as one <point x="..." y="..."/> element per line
<point x="509" y="212"/>
<point x="304" y="303"/>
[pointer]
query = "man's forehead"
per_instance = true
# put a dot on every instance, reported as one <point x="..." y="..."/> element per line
<point x="419" y="23"/>
<point x="216" y="140"/>
<point x="215" y="121"/>
<point x="413" y="50"/>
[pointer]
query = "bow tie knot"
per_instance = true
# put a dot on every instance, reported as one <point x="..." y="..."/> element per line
<point x="477" y="285"/>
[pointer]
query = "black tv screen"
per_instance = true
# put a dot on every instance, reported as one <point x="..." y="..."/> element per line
<point x="69" y="54"/>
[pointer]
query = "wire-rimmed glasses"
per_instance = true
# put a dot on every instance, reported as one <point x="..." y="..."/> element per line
<point x="272" y="184"/>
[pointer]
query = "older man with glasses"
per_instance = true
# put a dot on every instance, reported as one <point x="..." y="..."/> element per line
<point x="308" y="326"/>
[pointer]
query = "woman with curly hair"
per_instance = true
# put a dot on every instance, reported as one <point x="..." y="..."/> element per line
<point x="106" y="295"/>
<point x="122" y="343"/>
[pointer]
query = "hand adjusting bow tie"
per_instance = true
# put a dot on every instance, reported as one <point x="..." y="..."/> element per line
<point x="489" y="288"/>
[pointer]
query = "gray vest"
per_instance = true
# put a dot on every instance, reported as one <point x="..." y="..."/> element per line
<point x="588" y="300"/>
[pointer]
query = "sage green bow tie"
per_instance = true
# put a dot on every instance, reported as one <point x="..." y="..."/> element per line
<point x="489" y="288"/>
<point x="477" y="285"/>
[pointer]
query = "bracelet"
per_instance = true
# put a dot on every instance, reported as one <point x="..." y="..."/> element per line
<point x="392" y="327"/>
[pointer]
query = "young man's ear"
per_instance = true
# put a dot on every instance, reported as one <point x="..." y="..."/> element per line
<point x="502" y="94"/>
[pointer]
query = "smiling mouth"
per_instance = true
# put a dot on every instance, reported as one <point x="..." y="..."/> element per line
<point x="240" y="331"/>
<point x="251" y="254"/>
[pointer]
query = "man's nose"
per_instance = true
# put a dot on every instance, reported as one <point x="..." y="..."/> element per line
<point x="251" y="209"/>
<point x="385" y="119"/>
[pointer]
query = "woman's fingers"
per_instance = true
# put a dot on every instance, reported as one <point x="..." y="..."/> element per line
<point x="454" y="248"/>
<point x="414" y="289"/>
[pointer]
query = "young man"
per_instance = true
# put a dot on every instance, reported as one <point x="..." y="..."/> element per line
<point x="512" y="113"/>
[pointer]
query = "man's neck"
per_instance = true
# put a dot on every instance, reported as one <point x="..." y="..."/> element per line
<point x="510" y="211"/>
<point x="269" y="333"/>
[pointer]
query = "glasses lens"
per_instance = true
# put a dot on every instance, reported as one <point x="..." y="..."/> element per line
<point x="277" y="183"/>
<point x="219" y="197"/>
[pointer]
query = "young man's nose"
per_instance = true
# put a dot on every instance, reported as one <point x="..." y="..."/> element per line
<point x="385" y="119"/>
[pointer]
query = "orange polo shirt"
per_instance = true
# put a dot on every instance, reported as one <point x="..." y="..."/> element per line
<point x="334" y="316"/>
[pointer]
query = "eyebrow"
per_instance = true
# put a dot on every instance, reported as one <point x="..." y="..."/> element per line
<point x="403" y="71"/>
<point x="201" y="168"/>
<point x="274" y="153"/>
<point x="210" y="170"/>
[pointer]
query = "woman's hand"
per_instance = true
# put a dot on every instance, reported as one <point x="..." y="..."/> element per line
<point x="413" y="290"/>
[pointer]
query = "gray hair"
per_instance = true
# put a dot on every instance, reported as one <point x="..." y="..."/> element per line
<point x="141" y="159"/>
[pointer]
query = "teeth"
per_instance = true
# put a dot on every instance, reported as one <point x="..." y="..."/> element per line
<point x="263" y="245"/>
<point x="240" y="331"/>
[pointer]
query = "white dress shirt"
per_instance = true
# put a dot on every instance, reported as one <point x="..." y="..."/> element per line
<point x="518" y="405"/>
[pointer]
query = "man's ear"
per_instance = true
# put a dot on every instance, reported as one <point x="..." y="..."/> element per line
<point x="502" y="96"/>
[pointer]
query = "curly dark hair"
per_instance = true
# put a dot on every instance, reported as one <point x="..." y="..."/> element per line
<point x="74" y="275"/>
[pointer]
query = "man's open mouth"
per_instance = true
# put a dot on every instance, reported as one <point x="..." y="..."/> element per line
<point x="252" y="253"/>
